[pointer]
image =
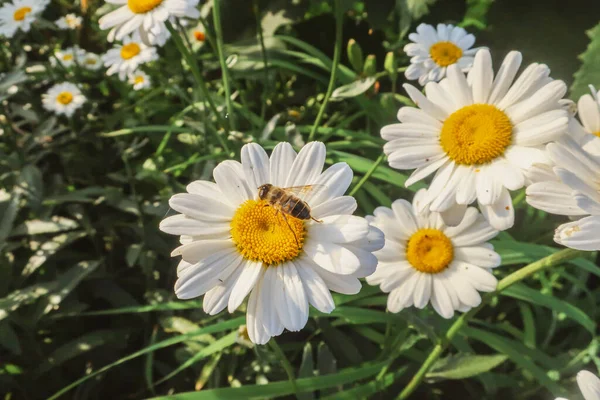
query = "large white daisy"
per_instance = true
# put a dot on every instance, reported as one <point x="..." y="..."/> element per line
<point x="571" y="188"/>
<point x="147" y="17"/>
<point x="236" y="244"/>
<point x="69" y="21"/>
<point x="19" y="15"/>
<point x="589" y="385"/>
<point x="478" y="133"/>
<point x="127" y="57"/>
<point x="63" y="98"/>
<point x="424" y="260"/>
<point x="433" y="51"/>
<point x="139" y="80"/>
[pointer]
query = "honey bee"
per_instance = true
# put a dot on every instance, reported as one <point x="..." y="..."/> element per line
<point x="288" y="201"/>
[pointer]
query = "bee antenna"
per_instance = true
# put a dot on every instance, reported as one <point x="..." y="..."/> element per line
<point x="293" y="233"/>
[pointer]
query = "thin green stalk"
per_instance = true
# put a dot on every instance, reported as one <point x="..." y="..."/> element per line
<point x="334" y="67"/>
<point x="285" y="363"/>
<point x="224" y="70"/>
<point x="196" y="73"/>
<point x="367" y="175"/>
<point x="263" y="50"/>
<point x="517" y="276"/>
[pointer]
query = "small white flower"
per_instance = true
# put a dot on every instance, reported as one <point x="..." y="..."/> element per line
<point x="67" y="57"/>
<point x="127" y="57"/>
<point x="91" y="61"/>
<point x="19" y="15"/>
<point x="235" y="244"/>
<point x="424" y="260"/>
<point x="589" y="384"/>
<point x="139" y="80"/>
<point x="588" y="135"/>
<point x="147" y="17"/>
<point x="197" y="36"/>
<point x="571" y="188"/>
<point x="479" y="134"/>
<point x="63" y="98"/>
<point x="69" y="21"/>
<point x="434" y="50"/>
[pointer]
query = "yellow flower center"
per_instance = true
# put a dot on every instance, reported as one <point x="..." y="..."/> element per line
<point x="90" y="61"/>
<point x="21" y="13"/>
<point x="200" y="36"/>
<point x="139" y="79"/>
<point x="67" y="57"/>
<point x="130" y="50"/>
<point x="429" y="251"/>
<point x="64" y="98"/>
<point x="143" y="6"/>
<point x="262" y="234"/>
<point x="596" y="133"/>
<point x="445" y="53"/>
<point x="476" y="134"/>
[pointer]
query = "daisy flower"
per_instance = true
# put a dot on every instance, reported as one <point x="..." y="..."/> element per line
<point x="589" y="385"/>
<point x="587" y="134"/>
<point x="424" y="260"/>
<point x="146" y="17"/>
<point x="197" y="36"/>
<point x="63" y="98"/>
<point x="479" y="134"/>
<point x="433" y="51"/>
<point x="571" y="188"/>
<point x="127" y="57"/>
<point x="69" y="21"/>
<point x="140" y="80"/>
<point x="91" y="61"/>
<point x="235" y="244"/>
<point x="67" y="57"/>
<point x="19" y="15"/>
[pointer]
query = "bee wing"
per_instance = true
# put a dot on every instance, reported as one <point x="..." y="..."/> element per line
<point x="305" y="192"/>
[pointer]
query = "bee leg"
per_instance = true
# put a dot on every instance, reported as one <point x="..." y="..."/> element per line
<point x="316" y="220"/>
<point x="294" y="233"/>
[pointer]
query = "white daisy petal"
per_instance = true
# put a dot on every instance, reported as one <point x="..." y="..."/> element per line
<point x="589" y="112"/>
<point x="553" y="197"/>
<point x="251" y="272"/>
<point x="281" y="162"/>
<point x="291" y="301"/>
<point x="307" y="167"/>
<point x="500" y="214"/>
<point x="255" y="163"/>
<point x="589" y="384"/>
<point x="581" y="234"/>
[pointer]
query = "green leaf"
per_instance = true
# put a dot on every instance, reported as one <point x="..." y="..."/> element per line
<point x="38" y="227"/>
<point x="48" y="248"/>
<point x="353" y="89"/>
<point x="461" y="366"/>
<point x="476" y="13"/>
<point x="8" y="217"/>
<point x="589" y="73"/>
<point x="522" y="292"/>
<point x="419" y="8"/>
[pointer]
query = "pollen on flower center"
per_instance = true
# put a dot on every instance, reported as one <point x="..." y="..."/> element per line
<point x="429" y="251"/>
<point x="64" y="98"/>
<point x="445" y="53"/>
<point x="129" y="50"/>
<point x="139" y="79"/>
<point x="260" y="233"/>
<point x="143" y="6"/>
<point x="21" y="13"/>
<point x="200" y="36"/>
<point x="67" y="57"/>
<point x="476" y="134"/>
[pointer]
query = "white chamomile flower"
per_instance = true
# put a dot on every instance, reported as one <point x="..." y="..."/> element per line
<point x="197" y="36"/>
<point x="433" y="51"/>
<point x="589" y="385"/>
<point x="147" y="17"/>
<point x="571" y="188"/>
<point x="587" y="134"/>
<point x="139" y="80"/>
<point x="424" y="260"/>
<point x="69" y="21"/>
<point x="479" y="134"/>
<point x="67" y="57"/>
<point x="127" y="57"/>
<point x="63" y="98"/>
<point x="91" y="61"/>
<point x="19" y="15"/>
<point x="236" y="244"/>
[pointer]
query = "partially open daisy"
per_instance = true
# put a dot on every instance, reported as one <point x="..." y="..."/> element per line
<point x="139" y="80"/>
<point x="433" y="51"/>
<point x="197" y="36"/>
<point x="69" y="21"/>
<point x="63" y="98"/>
<point x="236" y="244"/>
<point x="479" y="133"/>
<point x="589" y="385"/>
<point x="19" y="15"/>
<point x="67" y="57"/>
<point x="147" y="17"/>
<point x="91" y="61"/>
<point x="424" y="261"/>
<point x="127" y="57"/>
<point x="571" y="188"/>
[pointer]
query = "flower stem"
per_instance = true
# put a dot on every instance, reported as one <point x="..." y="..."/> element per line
<point x="224" y="70"/>
<point x="517" y="276"/>
<point x="367" y="175"/>
<point x="334" y="67"/>
<point x="196" y="73"/>
<point x="263" y="50"/>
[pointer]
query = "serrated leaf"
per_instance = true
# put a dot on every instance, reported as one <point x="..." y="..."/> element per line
<point x="353" y="89"/>
<point x="461" y="366"/>
<point x="589" y="73"/>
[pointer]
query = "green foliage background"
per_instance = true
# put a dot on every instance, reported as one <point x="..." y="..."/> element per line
<point x="86" y="303"/>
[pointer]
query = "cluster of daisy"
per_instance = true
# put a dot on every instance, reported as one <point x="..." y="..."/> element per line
<point x="72" y="56"/>
<point x="480" y="133"/>
<point x="19" y="15"/>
